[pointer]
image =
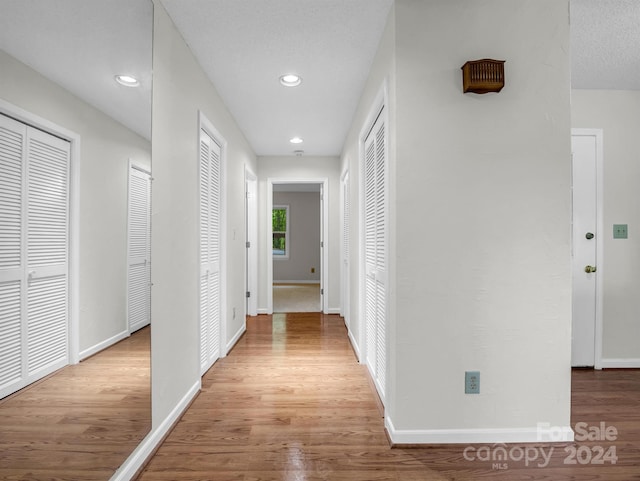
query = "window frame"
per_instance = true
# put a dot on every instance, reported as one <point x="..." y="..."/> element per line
<point x="287" y="237"/>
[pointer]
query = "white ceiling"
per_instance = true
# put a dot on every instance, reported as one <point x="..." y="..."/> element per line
<point x="245" y="45"/>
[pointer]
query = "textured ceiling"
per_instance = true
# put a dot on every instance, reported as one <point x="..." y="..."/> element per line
<point x="245" y="45"/>
<point x="605" y="43"/>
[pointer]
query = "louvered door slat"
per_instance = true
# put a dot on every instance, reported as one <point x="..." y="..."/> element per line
<point x="10" y="334"/>
<point x="12" y="138"/>
<point x="47" y="252"/>
<point x="210" y="242"/>
<point x="375" y="249"/>
<point x="47" y="185"/>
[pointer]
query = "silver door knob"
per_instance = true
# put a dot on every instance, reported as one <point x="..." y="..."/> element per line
<point x="590" y="269"/>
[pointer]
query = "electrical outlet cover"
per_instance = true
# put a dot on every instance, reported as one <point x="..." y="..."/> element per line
<point x="472" y="382"/>
<point x="619" y="231"/>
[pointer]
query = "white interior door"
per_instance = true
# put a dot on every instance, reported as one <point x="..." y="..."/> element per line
<point x="375" y="251"/>
<point x="139" y="249"/>
<point x="251" y="215"/>
<point x="210" y="249"/>
<point x="34" y="254"/>
<point x="585" y="241"/>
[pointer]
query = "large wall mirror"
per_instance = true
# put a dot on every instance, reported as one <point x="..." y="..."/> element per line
<point x="75" y="163"/>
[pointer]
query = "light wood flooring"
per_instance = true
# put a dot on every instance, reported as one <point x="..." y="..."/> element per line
<point x="290" y="402"/>
<point x="83" y="421"/>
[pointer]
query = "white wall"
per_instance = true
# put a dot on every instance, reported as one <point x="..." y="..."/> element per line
<point x="480" y="190"/>
<point x="180" y="91"/>
<point x="106" y="147"/>
<point x="298" y="168"/>
<point x="618" y="114"/>
<point x="304" y="237"/>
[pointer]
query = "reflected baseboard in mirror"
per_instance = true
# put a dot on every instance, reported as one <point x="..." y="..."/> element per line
<point x="81" y="422"/>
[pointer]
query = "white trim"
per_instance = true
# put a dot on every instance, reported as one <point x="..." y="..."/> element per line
<point x="262" y="310"/>
<point x="236" y="337"/>
<point x="470" y="436"/>
<point x="324" y="181"/>
<point x="278" y="281"/>
<point x="354" y="344"/>
<point x="34" y="120"/>
<point x="207" y="126"/>
<point x="598" y="134"/>
<point x="104" y="344"/>
<point x="143" y="452"/>
<point x="612" y="363"/>
<point x="333" y="310"/>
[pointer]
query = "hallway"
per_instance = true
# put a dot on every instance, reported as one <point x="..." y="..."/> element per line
<point x="290" y="402"/>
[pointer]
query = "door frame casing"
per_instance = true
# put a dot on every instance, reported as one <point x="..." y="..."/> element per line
<point x="26" y="117"/>
<point x="324" y="249"/>
<point x="598" y="135"/>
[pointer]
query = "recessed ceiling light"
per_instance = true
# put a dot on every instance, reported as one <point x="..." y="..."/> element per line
<point x="291" y="80"/>
<point x="127" y="80"/>
<point x="296" y="140"/>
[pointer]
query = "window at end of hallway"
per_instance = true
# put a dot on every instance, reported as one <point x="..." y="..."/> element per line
<point x="280" y="220"/>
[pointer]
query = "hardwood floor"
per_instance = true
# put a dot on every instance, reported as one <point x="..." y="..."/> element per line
<point x="83" y="421"/>
<point x="290" y="402"/>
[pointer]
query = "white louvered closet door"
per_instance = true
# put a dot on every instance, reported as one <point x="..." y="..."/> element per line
<point x="346" y="240"/>
<point x="34" y="215"/>
<point x="375" y="215"/>
<point x="210" y="242"/>
<point x="139" y="250"/>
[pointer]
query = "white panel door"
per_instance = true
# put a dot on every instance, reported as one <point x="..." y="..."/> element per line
<point x="251" y="215"/>
<point x="375" y="249"/>
<point x="34" y="240"/>
<point x="210" y="243"/>
<point x="139" y="250"/>
<point x="585" y="239"/>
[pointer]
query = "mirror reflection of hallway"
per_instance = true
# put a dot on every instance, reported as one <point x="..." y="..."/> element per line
<point x="297" y="257"/>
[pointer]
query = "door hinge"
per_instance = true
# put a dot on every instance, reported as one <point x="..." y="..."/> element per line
<point x="322" y="292"/>
<point x="321" y="244"/>
<point x="248" y="294"/>
<point x="248" y="244"/>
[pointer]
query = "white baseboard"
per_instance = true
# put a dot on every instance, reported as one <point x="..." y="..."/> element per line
<point x="620" y="363"/>
<point x="297" y="282"/>
<point x="263" y="311"/>
<point x="103" y="345"/>
<point x="544" y="433"/>
<point x="236" y="338"/>
<point x="354" y="344"/>
<point x="333" y="310"/>
<point x="147" y="447"/>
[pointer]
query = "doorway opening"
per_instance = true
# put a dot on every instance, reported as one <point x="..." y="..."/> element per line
<point x="297" y="236"/>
